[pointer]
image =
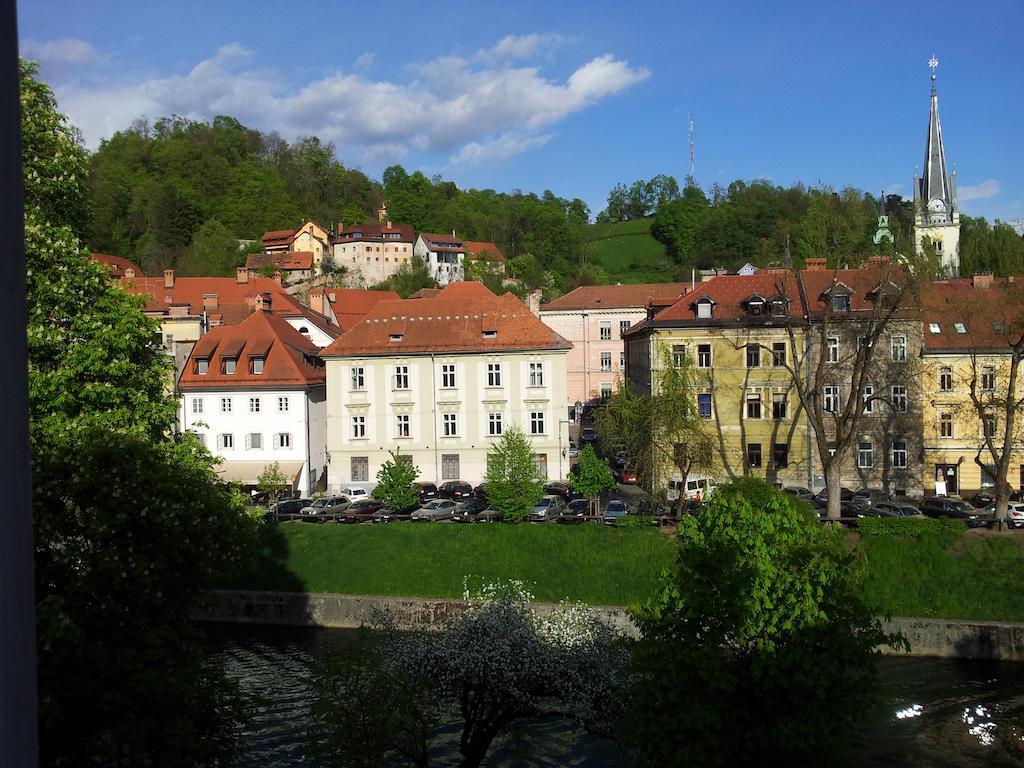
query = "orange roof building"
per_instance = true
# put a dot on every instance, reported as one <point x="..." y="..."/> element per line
<point x="117" y="266"/>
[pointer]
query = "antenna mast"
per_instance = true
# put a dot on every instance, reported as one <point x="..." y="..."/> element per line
<point x="693" y="178"/>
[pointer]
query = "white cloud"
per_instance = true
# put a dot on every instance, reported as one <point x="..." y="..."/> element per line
<point x="365" y="61"/>
<point x="68" y="50"/>
<point x="988" y="188"/>
<point x="471" y="111"/>
<point x="526" y="46"/>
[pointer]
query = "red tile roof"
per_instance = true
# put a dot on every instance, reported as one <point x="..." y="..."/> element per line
<point x="234" y="300"/>
<point x="286" y="261"/>
<point x="862" y="285"/>
<point x="278" y="237"/>
<point x="436" y="242"/>
<point x="374" y="232"/>
<point x="459" y="319"/>
<point x="617" y="296"/>
<point x="290" y="359"/>
<point x="350" y="305"/>
<point x="990" y="310"/>
<point x="425" y="293"/>
<point x="485" y="251"/>
<point x="116" y="264"/>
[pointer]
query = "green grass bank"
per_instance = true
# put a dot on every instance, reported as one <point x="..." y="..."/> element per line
<point x="628" y="253"/>
<point x="979" y="575"/>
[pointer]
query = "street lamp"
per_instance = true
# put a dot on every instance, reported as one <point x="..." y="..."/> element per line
<point x="561" y="450"/>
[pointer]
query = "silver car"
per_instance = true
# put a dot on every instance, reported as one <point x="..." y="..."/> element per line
<point x="432" y="511"/>
<point x="547" y="508"/>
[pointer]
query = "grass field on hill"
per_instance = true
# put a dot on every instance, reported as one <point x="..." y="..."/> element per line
<point x="628" y="253"/>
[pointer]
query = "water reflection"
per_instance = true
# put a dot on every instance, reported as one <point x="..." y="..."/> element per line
<point x="935" y="712"/>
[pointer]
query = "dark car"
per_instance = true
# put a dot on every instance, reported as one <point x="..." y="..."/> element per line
<point x="560" y="488"/>
<point x="467" y="511"/>
<point x="615" y="510"/>
<point x="958" y="509"/>
<point x="800" y="493"/>
<point x="457" y="490"/>
<point x="895" y="509"/>
<point x="588" y="435"/>
<point x="286" y="510"/>
<point x="576" y="511"/>
<point x="982" y="500"/>
<point x="425" y="491"/>
<point x="389" y="515"/>
<point x="361" y="511"/>
<point x="480" y="492"/>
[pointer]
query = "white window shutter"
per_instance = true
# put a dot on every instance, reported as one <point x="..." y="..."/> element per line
<point x="277" y="441"/>
<point x="248" y="441"/>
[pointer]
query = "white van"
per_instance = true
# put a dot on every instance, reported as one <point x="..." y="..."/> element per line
<point x="696" y="487"/>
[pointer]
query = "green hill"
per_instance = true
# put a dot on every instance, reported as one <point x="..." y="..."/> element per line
<point x="628" y="253"/>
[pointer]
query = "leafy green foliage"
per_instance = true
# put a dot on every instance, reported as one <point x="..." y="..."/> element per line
<point x="394" y="483"/>
<point x="514" y="482"/>
<point x="757" y="648"/>
<point x="271" y="480"/>
<point x="592" y="474"/>
<point x="410" y="277"/>
<point x="214" y="252"/>
<point x="945" y="528"/>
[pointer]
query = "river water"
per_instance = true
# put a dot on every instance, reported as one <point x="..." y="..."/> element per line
<point x="935" y="712"/>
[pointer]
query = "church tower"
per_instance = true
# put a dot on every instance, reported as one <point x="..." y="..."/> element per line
<point x="936" y="210"/>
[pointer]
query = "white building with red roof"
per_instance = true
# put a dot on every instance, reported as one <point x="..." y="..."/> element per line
<point x="440" y="379"/>
<point x="307" y="237"/>
<point x="372" y="252"/>
<point x="444" y="256"/>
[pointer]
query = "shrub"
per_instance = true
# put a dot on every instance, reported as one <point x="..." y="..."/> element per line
<point x="946" y="529"/>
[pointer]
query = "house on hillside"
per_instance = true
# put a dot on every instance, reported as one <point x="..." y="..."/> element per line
<point x="372" y="252"/>
<point x="486" y="255"/>
<point x="439" y="380"/>
<point x="294" y="266"/>
<point x="254" y="394"/>
<point x="309" y="236"/>
<point x="117" y="266"/>
<point x="443" y="255"/>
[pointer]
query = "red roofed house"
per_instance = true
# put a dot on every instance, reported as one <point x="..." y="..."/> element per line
<point x="255" y="393"/>
<point x="593" y="318"/>
<point x="372" y="252"/>
<point x="440" y="379"/>
<point x="293" y="265"/>
<point x="117" y="266"/>
<point x="309" y="237"/>
<point x="443" y="255"/>
<point x="346" y="306"/>
<point x="485" y="256"/>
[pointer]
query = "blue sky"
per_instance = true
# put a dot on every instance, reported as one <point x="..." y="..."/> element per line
<point x="572" y="97"/>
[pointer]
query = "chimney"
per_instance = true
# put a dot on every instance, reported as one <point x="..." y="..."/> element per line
<point x="263" y="302"/>
<point x="168" y="278"/>
<point x="453" y="234"/>
<point x="533" y="302"/>
<point x="816" y="265"/>
<point x="388" y="224"/>
<point x="982" y="280"/>
<point x="277" y="277"/>
<point x="316" y="302"/>
<point x="129" y="273"/>
<point x="210" y="301"/>
<point x="242" y="275"/>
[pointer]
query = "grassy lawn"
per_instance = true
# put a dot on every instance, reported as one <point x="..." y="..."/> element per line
<point x="588" y="563"/>
<point x="628" y="253"/>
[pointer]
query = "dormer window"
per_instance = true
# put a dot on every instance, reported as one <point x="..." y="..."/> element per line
<point x="841" y="303"/>
<point x="960" y="327"/>
<point x="704" y="308"/>
<point x="490" y="334"/>
<point x="778" y="308"/>
<point x="934" y="328"/>
<point x="395" y="337"/>
<point x="202" y="366"/>
<point x="257" y="364"/>
<point x="229" y="364"/>
<point x="755" y="306"/>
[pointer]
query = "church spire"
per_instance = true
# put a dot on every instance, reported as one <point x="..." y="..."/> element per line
<point x="935" y="184"/>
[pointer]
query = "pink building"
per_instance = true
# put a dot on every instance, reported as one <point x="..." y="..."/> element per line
<point x="593" y="318"/>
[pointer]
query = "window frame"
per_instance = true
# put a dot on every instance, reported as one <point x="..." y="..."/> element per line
<point x="705" y="399"/>
<point x="779" y="354"/>
<point x="865" y="449"/>
<point x="898" y="348"/>
<point x="450" y="424"/>
<point x="604" y="330"/>
<point x="448" y="380"/>
<point x="403" y="426"/>
<point x="753" y="355"/>
<point x="900" y="400"/>
<point x="754" y="450"/>
<point x="606" y="362"/>
<point x="832" y="349"/>
<point x="537" y="423"/>
<point x="495" y="424"/>
<point x="753" y="399"/>
<point x="494" y="375"/>
<point x="358" y="427"/>
<point x="400" y="378"/>
<point x="357" y="378"/>
<point x="895" y="452"/>
<point x="704" y="356"/>
<point x="780" y="414"/>
<point x="536" y="373"/>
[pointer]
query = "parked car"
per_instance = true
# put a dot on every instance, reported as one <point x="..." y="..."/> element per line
<point x="615" y="510"/>
<point x="895" y="509"/>
<point x="389" y="515"/>
<point x="958" y="509"/>
<point x="466" y="511"/>
<point x="489" y="515"/>
<point x="323" y="502"/>
<point x="627" y="476"/>
<point x="480" y="491"/>
<point x="546" y="508"/>
<point x="620" y="458"/>
<point x="800" y="493"/>
<point x="1015" y="515"/>
<point x="425" y="491"/>
<point x="455" y="489"/>
<point x="329" y="514"/>
<point x="432" y="511"/>
<point x="355" y="493"/>
<point x="290" y="509"/>
<point x="361" y="511"/>
<point x="588" y="435"/>
<point x="560" y="488"/>
<point x="982" y="500"/>
<point x="574" y="450"/>
<point x="576" y="511"/>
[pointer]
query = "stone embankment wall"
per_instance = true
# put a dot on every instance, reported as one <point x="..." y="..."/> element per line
<point x="927" y="637"/>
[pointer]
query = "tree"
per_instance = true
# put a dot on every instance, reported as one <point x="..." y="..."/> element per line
<point x="394" y="482"/>
<point x="410" y="277"/>
<point x="500" y="662"/>
<point x="214" y="252"/>
<point x="514" y="482"/>
<point x="271" y="480"/>
<point x="757" y="647"/>
<point x="592" y="476"/>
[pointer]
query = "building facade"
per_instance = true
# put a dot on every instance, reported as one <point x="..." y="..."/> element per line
<point x="444" y="256"/>
<point x="372" y="252"/>
<point x="308" y="237"/>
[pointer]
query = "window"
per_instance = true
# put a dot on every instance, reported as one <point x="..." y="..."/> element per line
<point x="755" y="307"/>
<point x="358" y="427"/>
<point x="202" y="366"/>
<point x="448" y="375"/>
<point x="360" y="469"/>
<point x="536" y="374"/>
<point x="401" y="380"/>
<point x="606" y="330"/>
<point x="606" y="362"/>
<point x="282" y="405"/>
<point x="899" y="454"/>
<point x="678" y="355"/>
<point x="225" y="405"/>
<point x="254" y="405"/>
<point x="225" y="441"/>
<point x="899" y="349"/>
<point x="988" y="424"/>
<point x="869" y="399"/>
<point x="934" y="328"/>
<point x="753" y="406"/>
<point x="830" y="398"/>
<point x="494" y="374"/>
<point x="254" y="441"/>
<point x="402" y="425"/>
<point x="358" y="378"/>
<point x="779" y="354"/>
<point x="229" y="364"/>
<point x="779" y="405"/>
<point x="988" y="378"/>
<point x="832" y="349"/>
<point x="704" y="405"/>
<point x="704" y="309"/>
<point x="841" y="303"/>
<point x="780" y="455"/>
<point x="945" y="425"/>
<point x="623" y="327"/>
<point x="449" y="424"/>
<point x="899" y="398"/>
<point x="537" y="422"/>
<point x="394" y="337"/>
<point x="945" y="379"/>
<point x="201" y="438"/>
<point x="540" y="461"/>
<point x="753" y="356"/>
<point x="960" y="327"/>
<point x="606" y="392"/>
<point x="753" y="454"/>
<point x="449" y="466"/>
<point x="622" y="361"/>
<point x="865" y="455"/>
<point x="703" y="355"/>
<point x="494" y="424"/>
<point x="282" y="440"/>
<point x="197" y="405"/>
<point x="257" y="364"/>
